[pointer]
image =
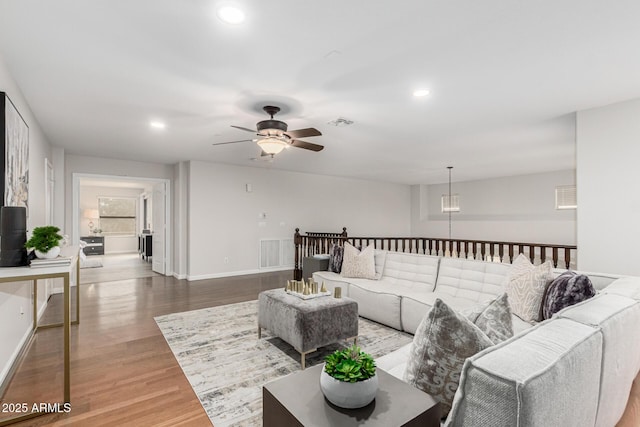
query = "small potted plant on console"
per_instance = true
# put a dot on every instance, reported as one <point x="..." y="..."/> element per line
<point x="349" y="379"/>
<point x="45" y="241"/>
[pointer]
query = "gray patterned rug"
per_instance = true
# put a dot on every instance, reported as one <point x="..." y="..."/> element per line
<point x="227" y="365"/>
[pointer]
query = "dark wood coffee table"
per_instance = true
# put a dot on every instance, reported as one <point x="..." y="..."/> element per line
<point x="297" y="400"/>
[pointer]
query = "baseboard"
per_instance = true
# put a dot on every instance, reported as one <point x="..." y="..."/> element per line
<point x="235" y="273"/>
<point x="11" y="366"/>
<point x="179" y="276"/>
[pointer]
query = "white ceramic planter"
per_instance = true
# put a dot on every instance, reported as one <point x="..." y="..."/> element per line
<point x="348" y="395"/>
<point x="52" y="253"/>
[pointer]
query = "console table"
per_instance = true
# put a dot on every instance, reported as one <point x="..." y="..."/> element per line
<point x="66" y="272"/>
<point x="296" y="400"/>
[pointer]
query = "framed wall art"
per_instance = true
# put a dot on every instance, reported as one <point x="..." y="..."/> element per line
<point x="14" y="153"/>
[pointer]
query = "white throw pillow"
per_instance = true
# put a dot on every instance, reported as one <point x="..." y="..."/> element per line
<point x="358" y="264"/>
<point x="526" y="286"/>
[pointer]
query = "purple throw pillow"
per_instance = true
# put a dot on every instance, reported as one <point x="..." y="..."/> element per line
<point x="565" y="290"/>
<point x="335" y="258"/>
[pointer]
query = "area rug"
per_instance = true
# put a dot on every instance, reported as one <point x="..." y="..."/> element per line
<point x="227" y="365"/>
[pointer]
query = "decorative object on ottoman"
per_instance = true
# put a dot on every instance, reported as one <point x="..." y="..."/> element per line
<point x="526" y="286"/>
<point x="443" y="341"/>
<point x="45" y="241"/>
<point x="337" y="292"/>
<point x="304" y="290"/>
<point x="567" y="289"/>
<point x="349" y="379"/>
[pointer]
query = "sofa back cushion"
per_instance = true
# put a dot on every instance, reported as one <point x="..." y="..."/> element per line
<point x="617" y="317"/>
<point x="471" y="279"/>
<point x="411" y="270"/>
<point x="547" y="376"/>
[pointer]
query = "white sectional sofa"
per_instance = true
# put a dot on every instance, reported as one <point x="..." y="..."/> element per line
<point x="575" y="369"/>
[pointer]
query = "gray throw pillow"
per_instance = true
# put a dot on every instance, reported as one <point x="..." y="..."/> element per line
<point x="493" y="318"/>
<point x="443" y="341"/>
<point x="335" y="258"/>
<point x="567" y="289"/>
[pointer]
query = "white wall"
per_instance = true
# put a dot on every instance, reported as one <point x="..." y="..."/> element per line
<point x="608" y="152"/>
<point x="224" y="219"/>
<point x="181" y="219"/>
<point x="517" y="209"/>
<point x="89" y="200"/>
<point x="16" y="298"/>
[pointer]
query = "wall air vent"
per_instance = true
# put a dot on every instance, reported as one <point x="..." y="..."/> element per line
<point x="276" y="253"/>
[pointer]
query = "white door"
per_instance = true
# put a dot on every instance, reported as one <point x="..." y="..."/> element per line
<point x="158" y="206"/>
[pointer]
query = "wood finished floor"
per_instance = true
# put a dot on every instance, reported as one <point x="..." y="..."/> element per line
<point x="123" y="372"/>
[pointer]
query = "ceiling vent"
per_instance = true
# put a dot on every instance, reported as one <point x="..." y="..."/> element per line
<point x="340" y="121"/>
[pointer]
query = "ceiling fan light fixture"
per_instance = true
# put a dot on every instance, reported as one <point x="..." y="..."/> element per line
<point x="272" y="145"/>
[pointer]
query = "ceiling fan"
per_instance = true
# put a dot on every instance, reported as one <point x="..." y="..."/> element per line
<point x="273" y="136"/>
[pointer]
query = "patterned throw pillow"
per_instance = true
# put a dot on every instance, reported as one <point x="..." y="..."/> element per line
<point x="335" y="258"/>
<point x="567" y="289"/>
<point x="443" y="341"/>
<point x="493" y="318"/>
<point x="358" y="264"/>
<point x="526" y="287"/>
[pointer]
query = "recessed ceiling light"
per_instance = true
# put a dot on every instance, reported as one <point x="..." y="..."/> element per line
<point x="231" y="15"/>
<point x="421" y="92"/>
<point x="157" y="125"/>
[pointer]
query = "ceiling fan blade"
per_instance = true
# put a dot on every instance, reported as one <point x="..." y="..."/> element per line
<point x="307" y="145"/>
<point x="264" y="153"/>
<point x="303" y="133"/>
<point x="245" y="129"/>
<point x="232" y="142"/>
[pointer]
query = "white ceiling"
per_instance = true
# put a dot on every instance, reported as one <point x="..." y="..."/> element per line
<point x="505" y="77"/>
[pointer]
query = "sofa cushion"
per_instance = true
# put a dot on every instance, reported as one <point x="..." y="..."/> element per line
<point x="526" y="286"/>
<point x="617" y="317"/>
<point x="472" y="279"/>
<point x="379" y="258"/>
<point x="358" y="263"/>
<point x="376" y="301"/>
<point x="335" y="258"/>
<point x="626" y="286"/>
<point x="442" y="343"/>
<point x="416" y="304"/>
<point x="493" y="318"/>
<point x="411" y="270"/>
<point x="546" y="376"/>
<point x="395" y="362"/>
<point x="566" y="290"/>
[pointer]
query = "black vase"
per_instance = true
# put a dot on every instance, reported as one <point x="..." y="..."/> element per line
<point x="13" y="236"/>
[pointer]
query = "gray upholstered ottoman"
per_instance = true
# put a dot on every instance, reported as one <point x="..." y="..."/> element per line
<point x="307" y="324"/>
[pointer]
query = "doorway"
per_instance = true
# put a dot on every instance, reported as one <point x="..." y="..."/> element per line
<point x="115" y="214"/>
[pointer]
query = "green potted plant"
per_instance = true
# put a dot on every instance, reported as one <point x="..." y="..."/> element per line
<point x="45" y="241"/>
<point x="349" y="379"/>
